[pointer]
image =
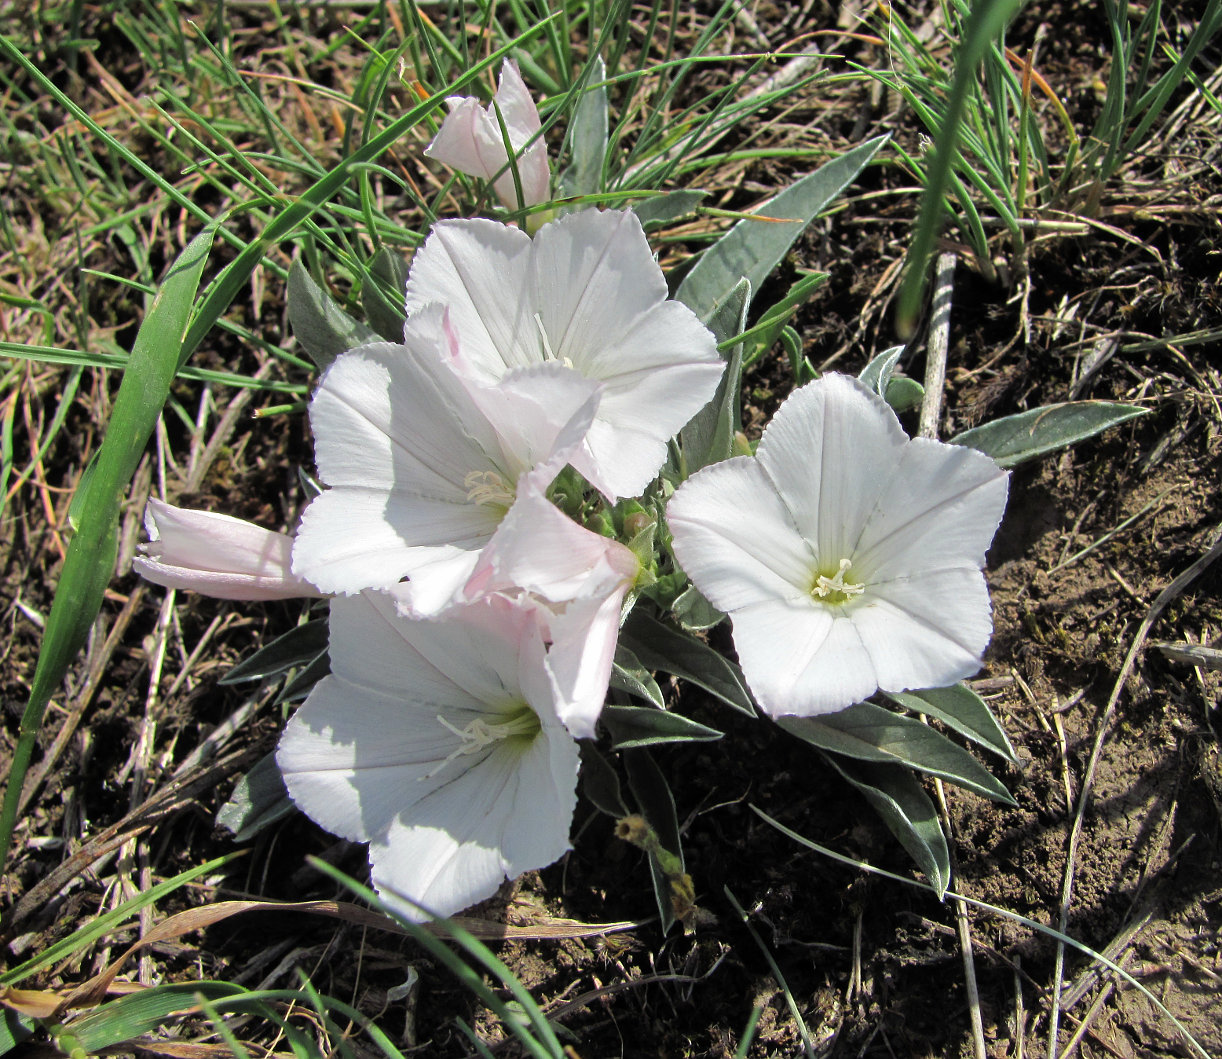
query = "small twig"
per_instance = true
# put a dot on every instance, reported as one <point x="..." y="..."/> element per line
<point x="938" y="346"/>
<point x="1092" y="1012"/>
<point x="1020" y="1014"/>
<point x="1171" y="592"/>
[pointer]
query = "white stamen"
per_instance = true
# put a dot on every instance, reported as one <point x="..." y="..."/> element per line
<point x="826" y="586"/>
<point x="479" y="734"/>
<point x="547" y="346"/>
<point x="488" y="487"/>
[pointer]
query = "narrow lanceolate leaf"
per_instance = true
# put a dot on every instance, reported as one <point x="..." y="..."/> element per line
<point x="657" y="804"/>
<point x="1014" y="439"/>
<point x="877" y="374"/>
<point x="659" y="646"/>
<point x="898" y="797"/>
<point x="709" y="435"/>
<point x="382" y="294"/>
<point x="297" y="647"/>
<point x="628" y="674"/>
<point x="963" y="710"/>
<point x="258" y="801"/>
<point x="319" y="324"/>
<point x="588" y="135"/>
<point x="867" y="732"/>
<point x="600" y="783"/>
<point x="636" y="726"/>
<point x="755" y="245"/>
<point x="90" y="560"/>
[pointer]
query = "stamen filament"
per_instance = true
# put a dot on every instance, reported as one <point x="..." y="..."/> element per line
<point x="489" y="488"/>
<point x="479" y="734"/>
<point x="825" y="587"/>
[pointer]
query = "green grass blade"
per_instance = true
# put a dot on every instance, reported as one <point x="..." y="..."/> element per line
<point x="983" y="26"/>
<point x="89" y="563"/>
<point x="237" y="273"/>
<point x="138" y="1013"/>
<point x="539" y="1040"/>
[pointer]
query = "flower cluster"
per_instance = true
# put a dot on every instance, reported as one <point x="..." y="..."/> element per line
<point x="474" y="474"/>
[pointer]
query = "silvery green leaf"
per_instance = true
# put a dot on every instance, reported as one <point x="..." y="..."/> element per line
<point x="904" y="393"/>
<point x="600" y="783"/>
<point x="382" y="294"/>
<point x="637" y="726"/>
<point x="877" y="373"/>
<point x="320" y="325"/>
<point x="1193" y="654"/>
<point x="627" y="674"/>
<point x="963" y="710"/>
<point x="661" y="646"/>
<point x="1014" y="439"/>
<point x="753" y="248"/>
<point x="694" y="612"/>
<point x="297" y="647"/>
<point x="867" y="732"/>
<point x="588" y="135"/>
<point x="258" y="801"/>
<point x="299" y="687"/>
<point x="669" y="206"/>
<point x="898" y="797"/>
<point x="767" y="329"/>
<point x="709" y="435"/>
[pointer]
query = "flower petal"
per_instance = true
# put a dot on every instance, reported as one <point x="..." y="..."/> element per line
<point x="456" y="846"/>
<point x="602" y="302"/>
<point x="940" y="509"/>
<point x="587" y="293"/>
<point x="735" y="539"/>
<point x="928" y="630"/>
<point x="480" y="271"/>
<point x="540" y="550"/>
<point x="801" y="658"/>
<point x="579" y="579"/>
<point x="830" y="450"/>
<point x="351" y="539"/>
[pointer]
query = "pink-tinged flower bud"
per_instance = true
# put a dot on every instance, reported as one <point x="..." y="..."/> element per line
<point x="217" y="555"/>
<point x="471" y="140"/>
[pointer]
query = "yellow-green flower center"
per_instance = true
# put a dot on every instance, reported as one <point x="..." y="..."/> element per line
<point x="835" y="589"/>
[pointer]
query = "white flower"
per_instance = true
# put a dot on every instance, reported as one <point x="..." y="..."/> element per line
<point x="422" y="468"/>
<point x="438" y="743"/>
<point x="217" y="555"/>
<point x="847" y="555"/>
<point x="470" y="140"/>
<point x="585" y="293"/>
